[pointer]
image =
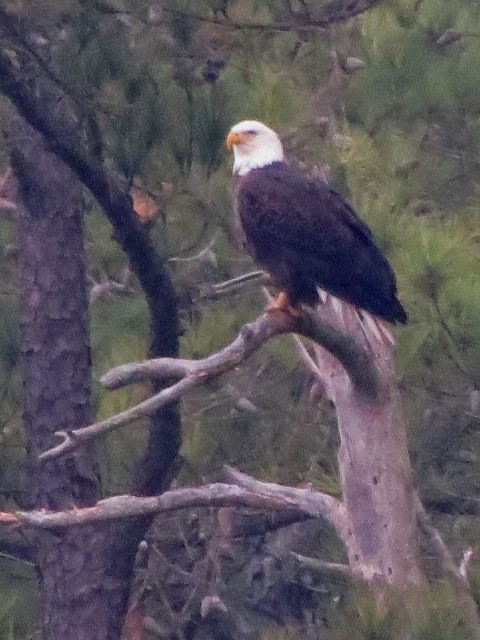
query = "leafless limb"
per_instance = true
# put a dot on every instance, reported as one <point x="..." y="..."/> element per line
<point x="251" y="337"/>
<point x="457" y="578"/>
<point x="205" y="254"/>
<point x="321" y="567"/>
<point x="184" y="575"/>
<point x="308" y="500"/>
<point x="437" y="544"/>
<point x="190" y="373"/>
<point x="8" y="203"/>
<point x="214" y="291"/>
<point x="255" y="494"/>
<point x="108" y="287"/>
<point x="467" y="555"/>
<point x="316" y="17"/>
<point x="75" y="438"/>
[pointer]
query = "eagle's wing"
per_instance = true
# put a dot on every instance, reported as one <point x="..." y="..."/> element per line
<point x="304" y="227"/>
<point x="295" y="211"/>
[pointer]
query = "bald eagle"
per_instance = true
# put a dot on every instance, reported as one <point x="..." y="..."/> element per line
<point x="302" y="233"/>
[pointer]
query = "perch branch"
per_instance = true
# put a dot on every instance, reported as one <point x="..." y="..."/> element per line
<point x="354" y="359"/>
<point x="190" y="373"/>
<point x="258" y="495"/>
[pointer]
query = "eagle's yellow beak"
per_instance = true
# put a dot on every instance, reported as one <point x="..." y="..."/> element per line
<point x="235" y="138"/>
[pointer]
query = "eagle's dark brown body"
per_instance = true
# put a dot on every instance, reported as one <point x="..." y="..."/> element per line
<point x="306" y="236"/>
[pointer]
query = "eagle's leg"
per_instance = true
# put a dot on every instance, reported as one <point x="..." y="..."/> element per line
<point x="283" y="303"/>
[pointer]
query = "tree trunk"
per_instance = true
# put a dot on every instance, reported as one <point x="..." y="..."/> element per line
<point x="52" y="112"/>
<point x="380" y="531"/>
<point x="374" y="465"/>
<point x="56" y="356"/>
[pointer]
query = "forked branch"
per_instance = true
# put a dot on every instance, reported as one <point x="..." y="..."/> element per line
<point x="188" y="374"/>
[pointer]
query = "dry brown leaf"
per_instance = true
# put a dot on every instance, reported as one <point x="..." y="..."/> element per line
<point x="144" y="205"/>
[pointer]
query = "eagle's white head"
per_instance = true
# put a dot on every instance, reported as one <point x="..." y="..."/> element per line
<point x="254" y="146"/>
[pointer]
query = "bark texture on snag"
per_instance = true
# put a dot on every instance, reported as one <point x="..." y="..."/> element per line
<point x="56" y="361"/>
<point x="379" y="533"/>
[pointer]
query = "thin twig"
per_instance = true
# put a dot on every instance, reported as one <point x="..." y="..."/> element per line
<point x="72" y="439"/>
<point x="437" y="543"/>
<point x="322" y="567"/>
<point x="318" y="18"/>
<point x="214" y="291"/>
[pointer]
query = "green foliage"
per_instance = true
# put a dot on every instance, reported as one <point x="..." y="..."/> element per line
<point x="425" y="615"/>
<point x="430" y="614"/>
<point x="18" y="609"/>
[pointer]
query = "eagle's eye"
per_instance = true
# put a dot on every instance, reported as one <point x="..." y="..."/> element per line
<point x="251" y="132"/>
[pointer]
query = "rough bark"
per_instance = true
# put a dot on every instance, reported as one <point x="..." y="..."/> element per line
<point x="380" y="534"/>
<point x="377" y="484"/>
<point x="46" y="104"/>
<point x="56" y="357"/>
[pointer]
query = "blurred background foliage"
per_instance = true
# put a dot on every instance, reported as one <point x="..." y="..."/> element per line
<point x="385" y="104"/>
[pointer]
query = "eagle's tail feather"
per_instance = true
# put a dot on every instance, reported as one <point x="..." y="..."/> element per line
<point x="371" y="325"/>
<point x="378" y="329"/>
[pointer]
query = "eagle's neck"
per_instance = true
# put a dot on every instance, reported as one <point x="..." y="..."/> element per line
<point x="257" y="158"/>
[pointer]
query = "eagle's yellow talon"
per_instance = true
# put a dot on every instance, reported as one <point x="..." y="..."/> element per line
<point x="283" y="304"/>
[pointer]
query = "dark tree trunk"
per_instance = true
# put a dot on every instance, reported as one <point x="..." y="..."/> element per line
<point x="50" y="111"/>
<point x="56" y="356"/>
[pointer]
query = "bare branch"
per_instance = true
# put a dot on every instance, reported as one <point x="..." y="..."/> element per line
<point x="108" y="287"/>
<point x="204" y="255"/>
<point x="214" y="291"/>
<point x="73" y="439"/>
<point x="321" y="567"/>
<point x="467" y="555"/>
<point x="190" y="373"/>
<point x="317" y="17"/>
<point x="315" y="503"/>
<point x="456" y="577"/>
<point x="260" y="496"/>
<point x="252" y="336"/>
<point x="438" y="546"/>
